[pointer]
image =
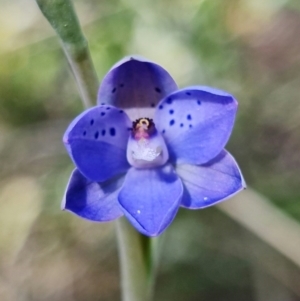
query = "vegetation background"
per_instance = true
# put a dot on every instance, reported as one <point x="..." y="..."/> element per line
<point x="248" y="47"/>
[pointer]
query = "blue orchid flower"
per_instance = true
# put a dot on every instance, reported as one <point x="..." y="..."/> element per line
<point x="154" y="150"/>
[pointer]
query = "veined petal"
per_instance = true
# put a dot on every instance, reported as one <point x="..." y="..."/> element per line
<point x="136" y="85"/>
<point x="150" y="198"/>
<point x="213" y="182"/>
<point x="196" y="123"/>
<point x="93" y="201"/>
<point x="96" y="141"/>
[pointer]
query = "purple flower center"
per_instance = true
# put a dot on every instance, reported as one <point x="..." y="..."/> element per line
<point x="143" y="128"/>
<point x="146" y="148"/>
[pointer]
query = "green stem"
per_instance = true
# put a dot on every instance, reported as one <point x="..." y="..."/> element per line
<point x="136" y="263"/>
<point x="84" y="75"/>
<point x="62" y="17"/>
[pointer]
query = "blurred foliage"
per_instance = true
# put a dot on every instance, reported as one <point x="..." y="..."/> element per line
<point x="248" y="47"/>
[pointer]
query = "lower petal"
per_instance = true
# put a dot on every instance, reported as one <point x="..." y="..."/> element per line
<point x="150" y="198"/>
<point x="213" y="182"/>
<point x="91" y="200"/>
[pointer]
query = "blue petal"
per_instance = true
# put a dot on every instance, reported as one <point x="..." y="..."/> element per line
<point x="196" y="123"/>
<point x="136" y="83"/>
<point x="150" y="198"/>
<point x="91" y="200"/>
<point x="97" y="140"/>
<point x="213" y="182"/>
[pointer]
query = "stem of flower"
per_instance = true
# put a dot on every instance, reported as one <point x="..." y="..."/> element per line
<point x="137" y="264"/>
<point x="63" y="19"/>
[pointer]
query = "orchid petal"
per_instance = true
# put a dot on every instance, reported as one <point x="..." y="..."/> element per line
<point x="150" y="198"/>
<point x="196" y="123"/>
<point x="213" y="182"/>
<point x="136" y="85"/>
<point x="147" y="153"/>
<point x="96" y="141"/>
<point x="91" y="200"/>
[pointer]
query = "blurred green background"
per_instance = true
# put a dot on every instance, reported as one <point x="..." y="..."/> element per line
<point x="247" y="249"/>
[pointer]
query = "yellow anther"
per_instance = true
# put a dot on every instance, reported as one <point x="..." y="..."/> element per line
<point x="143" y="122"/>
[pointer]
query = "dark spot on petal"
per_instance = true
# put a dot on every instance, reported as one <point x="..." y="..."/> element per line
<point x="163" y="131"/>
<point x="84" y="133"/>
<point x="129" y="129"/>
<point x="108" y="108"/>
<point x="96" y="135"/>
<point x="153" y="105"/>
<point x="171" y="112"/>
<point x="172" y="122"/>
<point x="198" y="102"/>
<point x="169" y="100"/>
<point x="189" y="117"/>
<point x="121" y="85"/>
<point x="181" y="125"/>
<point x="92" y="121"/>
<point x="103" y="132"/>
<point x="113" y="90"/>
<point x="102" y="104"/>
<point x="121" y="111"/>
<point x="188" y="93"/>
<point x="102" y="113"/>
<point x="160" y="107"/>
<point x="190" y="126"/>
<point x="158" y="90"/>
<point x="112" y="131"/>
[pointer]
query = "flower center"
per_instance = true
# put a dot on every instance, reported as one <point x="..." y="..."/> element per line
<point x="146" y="147"/>
<point x="142" y="128"/>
